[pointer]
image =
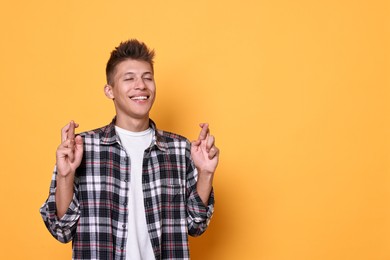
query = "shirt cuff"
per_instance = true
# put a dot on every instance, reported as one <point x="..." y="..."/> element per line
<point x="71" y="215"/>
<point x="198" y="210"/>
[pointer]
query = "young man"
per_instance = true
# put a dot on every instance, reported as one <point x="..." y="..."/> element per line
<point x="128" y="190"/>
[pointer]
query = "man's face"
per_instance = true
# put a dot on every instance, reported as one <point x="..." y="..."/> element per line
<point x="133" y="89"/>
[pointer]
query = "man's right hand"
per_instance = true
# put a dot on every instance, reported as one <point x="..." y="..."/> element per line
<point x="70" y="152"/>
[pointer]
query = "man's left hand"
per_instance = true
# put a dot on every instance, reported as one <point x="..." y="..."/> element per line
<point x="204" y="152"/>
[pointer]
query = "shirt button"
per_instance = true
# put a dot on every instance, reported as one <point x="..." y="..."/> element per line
<point x="125" y="204"/>
<point x="124" y="225"/>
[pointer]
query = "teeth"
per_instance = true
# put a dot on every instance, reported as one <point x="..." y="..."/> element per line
<point x="140" y="98"/>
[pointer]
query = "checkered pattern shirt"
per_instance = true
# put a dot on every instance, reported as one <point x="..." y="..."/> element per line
<point x="96" y="220"/>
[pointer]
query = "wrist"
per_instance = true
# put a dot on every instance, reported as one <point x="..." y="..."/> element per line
<point x="205" y="180"/>
<point x="205" y="176"/>
<point x="64" y="180"/>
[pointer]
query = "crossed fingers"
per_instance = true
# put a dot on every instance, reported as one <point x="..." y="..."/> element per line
<point x="204" y="135"/>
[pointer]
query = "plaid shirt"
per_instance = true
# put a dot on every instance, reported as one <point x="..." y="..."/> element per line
<point x="96" y="219"/>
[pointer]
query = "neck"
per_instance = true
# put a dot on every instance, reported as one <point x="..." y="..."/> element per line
<point x="132" y="124"/>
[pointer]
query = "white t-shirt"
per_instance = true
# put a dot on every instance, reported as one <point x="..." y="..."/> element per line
<point x="138" y="244"/>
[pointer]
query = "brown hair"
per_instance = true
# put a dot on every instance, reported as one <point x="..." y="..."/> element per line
<point x="131" y="49"/>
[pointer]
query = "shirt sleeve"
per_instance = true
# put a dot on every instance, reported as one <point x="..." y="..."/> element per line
<point x="198" y="214"/>
<point x="62" y="229"/>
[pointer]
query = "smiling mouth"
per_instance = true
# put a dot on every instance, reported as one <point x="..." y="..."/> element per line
<point x="139" y="98"/>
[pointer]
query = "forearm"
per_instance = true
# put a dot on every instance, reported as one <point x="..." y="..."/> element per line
<point x="64" y="194"/>
<point x="204" y="186"/>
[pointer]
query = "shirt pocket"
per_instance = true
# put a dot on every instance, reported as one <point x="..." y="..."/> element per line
<point x="172" y="193"/>
<point x="173" y="204"/>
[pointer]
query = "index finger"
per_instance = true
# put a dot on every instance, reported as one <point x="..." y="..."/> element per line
<point x="70" y="133"/>
<point x="204" y="132"/>
<point x="67" y="132"/>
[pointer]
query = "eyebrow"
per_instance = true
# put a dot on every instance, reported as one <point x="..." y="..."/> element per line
<point x="132" y="73"/>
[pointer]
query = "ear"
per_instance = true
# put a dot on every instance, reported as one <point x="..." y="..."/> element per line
<point x="108" y="91"/>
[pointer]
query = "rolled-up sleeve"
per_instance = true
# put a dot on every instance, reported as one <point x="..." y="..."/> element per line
<point x="199" y="215"/>
<point x="62" y="229"/>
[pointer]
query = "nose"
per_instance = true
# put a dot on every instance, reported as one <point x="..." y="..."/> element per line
<point x="140" y="84"/>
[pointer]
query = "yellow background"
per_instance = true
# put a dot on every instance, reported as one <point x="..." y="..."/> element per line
<point x="296" y="93"/>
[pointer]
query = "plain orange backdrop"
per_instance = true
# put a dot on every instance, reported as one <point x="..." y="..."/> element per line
<point x="296" y="93"/>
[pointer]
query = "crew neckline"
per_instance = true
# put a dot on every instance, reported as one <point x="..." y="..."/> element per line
<point x="131" y="133"/>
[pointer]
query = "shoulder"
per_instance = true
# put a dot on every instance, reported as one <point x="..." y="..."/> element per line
<point x="94" y="134"/>
<point x="169" y="136"/>
<point x="172" y="140"/>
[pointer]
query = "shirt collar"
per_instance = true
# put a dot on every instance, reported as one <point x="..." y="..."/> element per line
<point x="110" y="137"/>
